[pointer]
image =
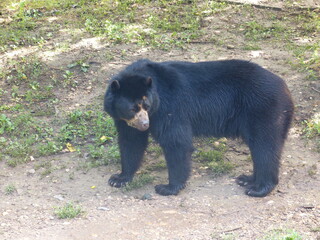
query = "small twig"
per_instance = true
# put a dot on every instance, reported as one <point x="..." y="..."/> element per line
<point x="315" y="89"/>
<point x="55" y="68"/>
<point x="252" y="4"/>
<point x="119" y="63"/>
<point x="232" y="230"/>
<point x="308" y="207"/>
<point x="201" y="42"/>
<point x="270" y="7"/>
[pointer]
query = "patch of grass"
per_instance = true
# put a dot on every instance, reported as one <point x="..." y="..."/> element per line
<point x="68" y="79"/>
<point x="11" y="108"/>
<point x="5" y="124"/>
<point x="159" y="165"/>
<point x="10" y="189"/>
<point x="94" y="134"/>
<point x="250" y="46"/>
<point x="113" y="153"/>
<point x="26" y="77"/>
<point x="84" y="124"/>
<point x="84" y="67"/>
<point x="139" y="181"/>
<point x="171" y="23"/>
<point x="102" y="155"/>
<point x="253" y="30"/>
<point x="48" y="147"/>
<point x="282" y="234"/>
<point x="307" y="59"/>
<point x="46" y="167"/>
<point x="308" y="23"/>
<point x="155" y="150"/>
<point x="215" y="159"/>
<point x="24" y="70"/>
<point x="316" y="229"/>
<point x="312" y="170"/>
<point x="224" y="236"/>
<point x="69" y="210"/>
<point x="25" y="18"/>
<point x="312" y="129"/>
<point x="161" y="24"/>
<point x="211" y="156"/>
<point x="21" y="135"/>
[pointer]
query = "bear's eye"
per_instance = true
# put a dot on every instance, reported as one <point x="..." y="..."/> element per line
<point x="135" y="109"/>
<point x="146" y="106"/>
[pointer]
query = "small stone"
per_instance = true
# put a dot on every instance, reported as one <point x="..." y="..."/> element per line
<point x="103" y="208"/>
<point x="270" y="202"/>
<point x="59" y="197"/>
<point x="31" y="172"/>
<point x="20" y="191"/>
<point x="146" y="196"/>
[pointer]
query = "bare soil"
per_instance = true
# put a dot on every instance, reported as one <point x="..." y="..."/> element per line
<point x="209" y="208"/>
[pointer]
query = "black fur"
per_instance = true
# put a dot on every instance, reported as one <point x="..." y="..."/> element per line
<point x="231" y="98"/>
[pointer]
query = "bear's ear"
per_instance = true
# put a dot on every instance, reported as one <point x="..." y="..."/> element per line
<point x="148" y="81"/>
<point x="115" y="85"/>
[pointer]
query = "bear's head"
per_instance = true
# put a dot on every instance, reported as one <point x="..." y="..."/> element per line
<point x="131" y="98"/>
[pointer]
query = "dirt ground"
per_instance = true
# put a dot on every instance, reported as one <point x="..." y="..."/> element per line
<point x="209" y="208"/>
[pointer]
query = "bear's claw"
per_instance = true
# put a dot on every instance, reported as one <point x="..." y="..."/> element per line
<point x="168" y="189"/>
<point x="118" y="180"/>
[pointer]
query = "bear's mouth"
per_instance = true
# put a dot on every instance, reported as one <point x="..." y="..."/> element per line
<point x="140" y="120"/>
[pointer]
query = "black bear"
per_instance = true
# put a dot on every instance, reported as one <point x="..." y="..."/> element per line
<point x="174" y="101"/>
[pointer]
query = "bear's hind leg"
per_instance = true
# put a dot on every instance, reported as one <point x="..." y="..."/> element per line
<point x="265" y="147"/>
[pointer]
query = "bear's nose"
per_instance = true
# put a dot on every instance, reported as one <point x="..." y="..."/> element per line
<point x="144" y="124"/>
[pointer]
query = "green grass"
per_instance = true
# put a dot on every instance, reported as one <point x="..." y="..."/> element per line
<point x="23" y="136"/>
<point x="5" y="124"/>
<point x="154" y="23"/>
<point x="282" y="234"/>
<point x="214" y="159"/>
<point x="68" y="211"/>
<point x="254" y="30"/>
<point x="129" y="22"/>
<point x="154" y="149"/>
<point x="157" y="166"/>
<point x="312" y="129"/>
<point x="224" y="236"/>
<point x="139" y="181"/>
<point x="10" y="189"/>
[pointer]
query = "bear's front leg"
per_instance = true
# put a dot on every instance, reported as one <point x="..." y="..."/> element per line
<point x="178" y="158"/>
<point x="132" y="144"/>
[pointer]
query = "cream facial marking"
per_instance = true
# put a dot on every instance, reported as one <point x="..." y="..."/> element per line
<point x="140" y="120"/>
